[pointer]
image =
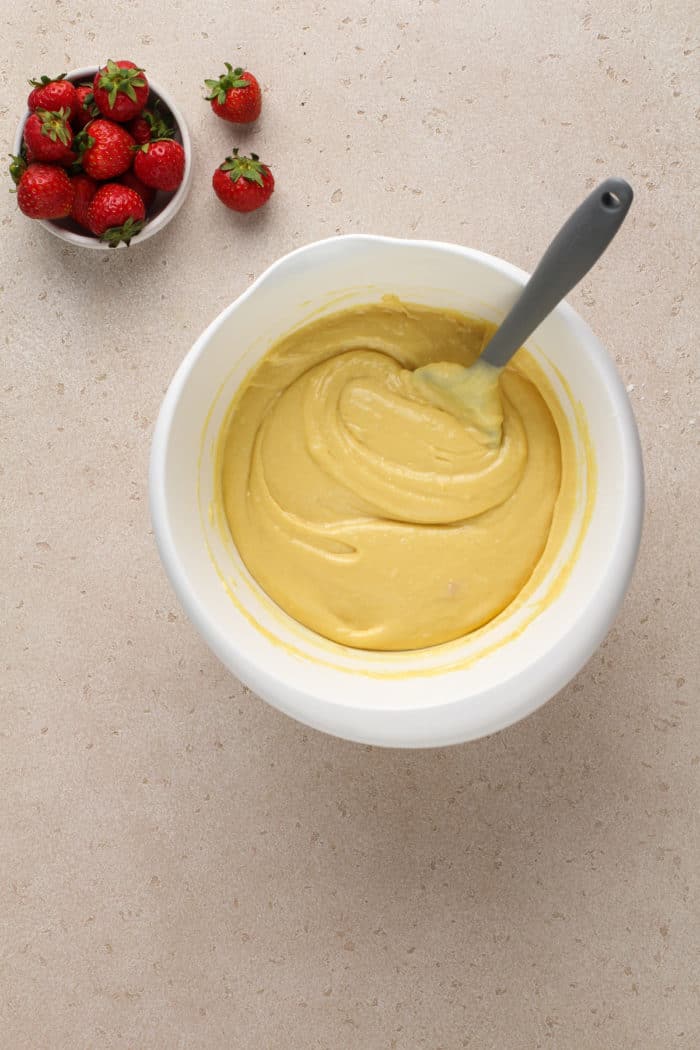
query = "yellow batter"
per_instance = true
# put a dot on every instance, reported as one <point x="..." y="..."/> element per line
<point x="381" y="493"/>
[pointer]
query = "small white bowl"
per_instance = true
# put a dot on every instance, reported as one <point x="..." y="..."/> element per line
<point x="449" y="693"/>
<point x="165" y="206"/>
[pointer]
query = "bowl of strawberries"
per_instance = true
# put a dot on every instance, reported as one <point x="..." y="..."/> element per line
<point x="102" y="158"/>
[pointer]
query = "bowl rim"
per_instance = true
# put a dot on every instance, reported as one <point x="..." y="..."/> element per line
<point x="163" y="217"/>
<point x="550" y="675"/>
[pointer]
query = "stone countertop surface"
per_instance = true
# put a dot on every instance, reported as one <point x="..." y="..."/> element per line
<point x="180" y="865"/>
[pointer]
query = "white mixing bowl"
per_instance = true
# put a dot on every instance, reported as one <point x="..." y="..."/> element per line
<point x="449" y="693"/>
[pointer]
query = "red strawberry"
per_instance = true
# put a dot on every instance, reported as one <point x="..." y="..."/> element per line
<point x="49" y="137"/>
<point x="147" y="193"/>
<point x="105" y="149"/>
<point x="120" y="90"/>
<point x="140" y="130"/>
<point x="235" y="96"/>
<point x="160" y="164"/>
<point x="116" y="214"/>
<point x="243" y="183"/>
<point x="45" y="192"/>
<point x="85" y="189"/>
<point x="87" y="110"/>
<point x="53" y="93"/>
<point x="149" y="125"/>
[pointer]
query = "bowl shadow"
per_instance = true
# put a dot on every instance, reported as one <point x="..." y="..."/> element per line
<point x="470" y="826"/>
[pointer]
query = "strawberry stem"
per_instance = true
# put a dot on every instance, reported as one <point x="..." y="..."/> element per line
<point x="54" y="124"/>
<point x="82" y="142"/>
<point x="116" y="80"/>
<point x="249" y="168"/>
<point x="17" y="168"/>
<point x="116" y="234"/>
<point x="155" y="118"/>
<point x="44" y="80"/>
<point x="233" y="78"/>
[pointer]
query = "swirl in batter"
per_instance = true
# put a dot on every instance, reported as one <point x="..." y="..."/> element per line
<point x="380" y="492"/>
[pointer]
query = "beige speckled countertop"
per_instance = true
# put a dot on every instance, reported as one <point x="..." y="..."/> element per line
<point x="180" y="865"/>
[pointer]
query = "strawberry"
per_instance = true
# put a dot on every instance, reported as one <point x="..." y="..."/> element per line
<point x="116" y="214"/>
<point x="49" y="136"/>
<point x="160" y="164"/>
<point x="87" y="110"/>
<point x="243" y="183"/>
<point x="150" y="124"/>
<point x="140" y="130"/>
<point x="235" y="96"/>
<point x="45" y="192"/>
<point x="147" y="193"/>
<point x="120" y="90"/>
<point x="53" y="93"/>
<point x="84" y="189"/>
<point x="105" y="149"/>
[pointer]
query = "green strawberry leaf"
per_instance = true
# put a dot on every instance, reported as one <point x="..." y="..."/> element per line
<point x="83" y="141"/>
<point x="17" y="168"/>
<point x="116" y="80"/>
<point x="44" y="80"/>
<point x="249" y="168"/>
<point x="116" y="234"/>
<point x="157" y="123"/>
<point x="233" y="78"/>
<point x="54" y="124"/>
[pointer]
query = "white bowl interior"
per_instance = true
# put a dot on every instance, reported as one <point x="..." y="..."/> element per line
<point x="165" y="207"/>
<point x="448" y="693"/>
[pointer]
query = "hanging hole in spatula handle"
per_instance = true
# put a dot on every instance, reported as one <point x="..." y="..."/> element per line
<point x="611" y="201"/>
<point x="615" y="195"/>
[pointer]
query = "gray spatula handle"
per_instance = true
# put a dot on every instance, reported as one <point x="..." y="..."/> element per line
<point x="579" y="244"/>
